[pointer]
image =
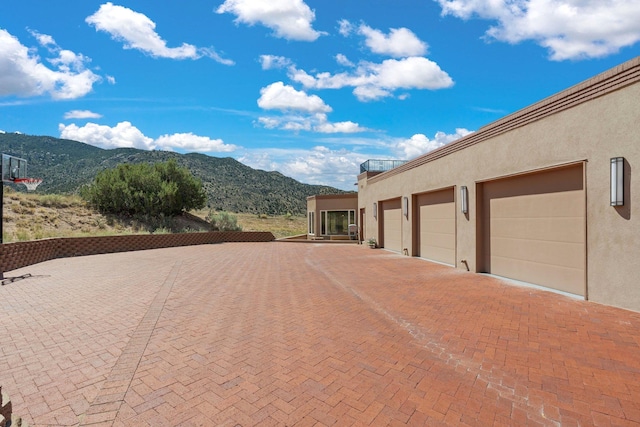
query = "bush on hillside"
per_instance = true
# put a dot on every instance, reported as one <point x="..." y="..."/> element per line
<point x="152" y="190"/>
<point x="223" y="221"/>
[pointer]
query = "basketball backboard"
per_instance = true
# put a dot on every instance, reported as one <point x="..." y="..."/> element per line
<point x="13" y="168"/>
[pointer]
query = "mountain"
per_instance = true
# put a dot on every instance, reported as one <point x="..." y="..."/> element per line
<point x="67" y="165"/>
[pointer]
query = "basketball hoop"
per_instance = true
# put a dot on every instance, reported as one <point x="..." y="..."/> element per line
<point x="30" y="183"/>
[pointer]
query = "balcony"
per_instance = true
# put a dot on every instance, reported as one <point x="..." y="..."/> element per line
<point x="380" y="165"/>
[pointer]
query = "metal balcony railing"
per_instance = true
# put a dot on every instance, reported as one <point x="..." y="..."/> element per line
<point x="380" y="165"/>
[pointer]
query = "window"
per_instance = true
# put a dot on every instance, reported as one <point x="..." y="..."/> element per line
<point x="336" y="222"/>
<point x="312" y="223"/>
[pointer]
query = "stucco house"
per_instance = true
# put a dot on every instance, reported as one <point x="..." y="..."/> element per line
<point x="330" y="215"/>
<point x="545" y="195"/>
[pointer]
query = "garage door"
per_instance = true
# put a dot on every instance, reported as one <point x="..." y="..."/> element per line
<point x="536" y="229"/>
<point x="437" y="226"/>
<point x="392" y="223"/>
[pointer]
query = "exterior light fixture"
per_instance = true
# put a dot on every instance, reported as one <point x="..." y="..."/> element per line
<point x="405" y="207"/>
<point x="464" y="199"/>
<point x="375" y="210"/>
<point x="617" y="181"/>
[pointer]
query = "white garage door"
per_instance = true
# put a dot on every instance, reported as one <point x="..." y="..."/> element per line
<point x="437" y="225"/>
<point x="537" y="229"/>
<point x="392" y="223"/>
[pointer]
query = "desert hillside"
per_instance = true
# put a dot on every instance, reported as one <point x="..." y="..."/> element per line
<point x="32" y="216"/>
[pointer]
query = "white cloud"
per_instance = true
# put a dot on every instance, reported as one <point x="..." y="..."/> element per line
<point x="269" y="122"/>
<point x="278" y="96"/>
<point x="374" y="81"/>
<point x="211" y="53"/>
<point x="339" y="127"/>
<point x="343" y="60"/>
<point x="316" y="122"/>
<point x="289" y="19"/>
<point x="303" y="112"/>
<point x="399" y="43"/>
<point x="137" y="31"/>
<point x="44" y="39"/>
<point x="191" y="142"/>
<point x="125" y="135"/>
<point x="272" y="61"/>
<point x="288" y="122"/>
<point x="368" y="93"/>
<point x="420" y="144"/>
<point x="570" y="29"/>
<point x="319" y="165"/>
<point x="297" y="126"/>
<point x="81" y="114"/>
<point x="345" y="28"/>
<point x="23" y="74"/>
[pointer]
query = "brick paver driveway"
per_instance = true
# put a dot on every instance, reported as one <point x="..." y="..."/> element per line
<point x="306" y="334"/>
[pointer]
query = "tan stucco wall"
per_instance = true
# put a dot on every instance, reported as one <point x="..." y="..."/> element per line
<point x="591" y="130"/>
<point x="336" y="203"/>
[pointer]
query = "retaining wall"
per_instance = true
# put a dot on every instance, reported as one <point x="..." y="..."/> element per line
<point x="21" y="254"/>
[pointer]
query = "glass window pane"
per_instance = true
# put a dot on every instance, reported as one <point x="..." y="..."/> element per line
<point x="338" y="222"/>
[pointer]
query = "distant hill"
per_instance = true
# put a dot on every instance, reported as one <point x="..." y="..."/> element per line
<point x="67" y="165"/>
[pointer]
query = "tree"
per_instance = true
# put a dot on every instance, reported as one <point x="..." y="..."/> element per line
<point x="146" y="189"/>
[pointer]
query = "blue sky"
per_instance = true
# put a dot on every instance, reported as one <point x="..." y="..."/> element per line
<point x="309" y="88"/>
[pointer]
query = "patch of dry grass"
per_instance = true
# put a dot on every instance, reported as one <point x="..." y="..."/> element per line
<point x="279" y="225"/>
<point x="32" y="216"/>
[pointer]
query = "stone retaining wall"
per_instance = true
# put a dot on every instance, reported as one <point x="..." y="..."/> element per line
<point x="21" y="254"/>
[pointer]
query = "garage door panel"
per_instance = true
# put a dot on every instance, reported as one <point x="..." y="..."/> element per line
<point x="535" y="228"/>
<point x="439" y="211"/>
<point x="392" y="229"/>
<point x="446" y="226"/>
<point x="570" y="229"/>
<point x="443" y="255"/>
<point x="437" y="227"/>
<point x="566" y="279"/>
<point x="566" y="204"/>
<point x="539" y="252"/>
<point x="438" y="240"/>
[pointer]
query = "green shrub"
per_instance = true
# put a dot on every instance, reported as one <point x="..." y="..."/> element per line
<point x="152" y="190"/>
<point x="223" y="221"/>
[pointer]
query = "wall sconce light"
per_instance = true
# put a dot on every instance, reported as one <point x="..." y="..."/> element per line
<point x="617" y="181"/>
<point x="405" y="207"/>
<point x="464" y="199"/>
<point x="375" y="210"/>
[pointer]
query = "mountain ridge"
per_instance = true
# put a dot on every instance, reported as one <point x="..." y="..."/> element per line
<point x="66" y="165"/>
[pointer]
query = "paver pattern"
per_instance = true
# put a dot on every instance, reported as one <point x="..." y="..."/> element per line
<point x="272" y="334"/>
